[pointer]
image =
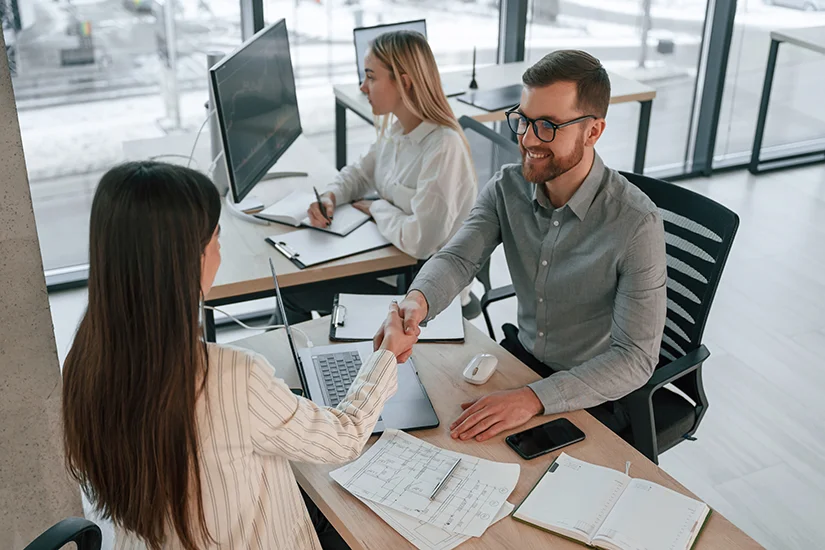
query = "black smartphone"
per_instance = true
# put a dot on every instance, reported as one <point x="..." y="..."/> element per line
<point x="544" y="438"/>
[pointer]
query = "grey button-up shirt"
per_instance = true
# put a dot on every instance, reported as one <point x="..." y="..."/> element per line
<point x="590" y="277"/>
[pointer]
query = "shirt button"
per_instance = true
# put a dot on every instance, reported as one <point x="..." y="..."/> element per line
<point x="556" y="223"/>
<point x="541" y="335"/>
<point x="544" y="262"/>
<point x="541" y="300"/>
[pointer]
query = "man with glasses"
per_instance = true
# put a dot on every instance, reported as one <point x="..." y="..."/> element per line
<point x="586" y="254"/>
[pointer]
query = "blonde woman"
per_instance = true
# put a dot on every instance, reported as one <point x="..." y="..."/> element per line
<point x="420" y="165"/>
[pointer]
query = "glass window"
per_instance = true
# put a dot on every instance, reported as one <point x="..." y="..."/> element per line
<point x="91" y="74"/>
<point x="614" y="31"/>
<point x="323" y="52"/>
<point x="796" y="112"/>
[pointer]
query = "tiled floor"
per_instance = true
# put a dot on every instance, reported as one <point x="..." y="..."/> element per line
<point x="760" y="451"/>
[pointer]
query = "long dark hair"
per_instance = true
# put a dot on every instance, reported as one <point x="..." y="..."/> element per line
<point x="138" y="362"/>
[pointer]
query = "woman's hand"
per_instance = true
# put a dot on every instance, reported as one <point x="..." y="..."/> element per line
<point x="314" y="211"/>
<point x="363" y="206"/>
<point x="394" y="337"/>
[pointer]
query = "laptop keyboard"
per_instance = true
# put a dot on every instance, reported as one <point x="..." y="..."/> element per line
<point x="337" y="371"/>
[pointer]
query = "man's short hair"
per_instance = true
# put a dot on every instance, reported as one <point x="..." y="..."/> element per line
<point x="587" y="72"/>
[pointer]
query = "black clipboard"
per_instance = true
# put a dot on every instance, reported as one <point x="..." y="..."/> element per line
<point x="495" y="99"/>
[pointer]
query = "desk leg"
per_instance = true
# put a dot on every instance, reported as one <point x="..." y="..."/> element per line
<point x="753" y="168"/>
<point x="340" y="135"/>
<point x="641" y="136"/>
<point x="209" y="323"/>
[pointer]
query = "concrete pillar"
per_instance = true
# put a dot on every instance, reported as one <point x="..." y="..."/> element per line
<point x="35" y="491"/>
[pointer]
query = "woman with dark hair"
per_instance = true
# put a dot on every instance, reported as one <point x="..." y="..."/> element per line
<point x="180" y="443"/>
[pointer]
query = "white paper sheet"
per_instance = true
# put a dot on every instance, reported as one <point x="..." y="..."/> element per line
<point x="422" y="535"/>
<point x="400" y="471"/>
<point x="316" y="247"/>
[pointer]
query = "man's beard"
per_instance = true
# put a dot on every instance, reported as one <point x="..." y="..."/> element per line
<point x="553" y="167"/>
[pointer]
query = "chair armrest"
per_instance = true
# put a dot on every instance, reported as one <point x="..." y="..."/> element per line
<point x="496" y="294"/>
<point x="640" y="402"/>
<point x="81" y="531"/>
<point x="676" y="369"/>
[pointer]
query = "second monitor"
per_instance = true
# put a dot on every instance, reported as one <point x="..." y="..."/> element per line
<point x="257" y="107"/>
<point x="363" y="36"/>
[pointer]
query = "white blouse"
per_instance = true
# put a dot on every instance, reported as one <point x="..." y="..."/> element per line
<point x="426" y="182"/>
<point x="250" y="427"/>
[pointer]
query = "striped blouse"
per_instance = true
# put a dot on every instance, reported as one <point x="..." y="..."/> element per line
<point x="250" y="427"/>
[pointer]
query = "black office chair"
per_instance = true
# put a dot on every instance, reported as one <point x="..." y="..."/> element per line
<point x="490" y="151"/>
<point x="699" y="234"/>
<point x="85" y="534"/>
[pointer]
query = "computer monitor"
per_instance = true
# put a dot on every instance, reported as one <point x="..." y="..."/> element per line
<point x="362" y="36"/>
<point x="257" y="106"/>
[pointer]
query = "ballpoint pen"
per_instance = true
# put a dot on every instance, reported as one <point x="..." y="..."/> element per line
<point x="444" y="479"/>
<point x="321" y="206"/>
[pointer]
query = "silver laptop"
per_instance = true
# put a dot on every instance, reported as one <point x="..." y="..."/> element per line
<point x="362" y="36"/>
<point x="326" y="373"/>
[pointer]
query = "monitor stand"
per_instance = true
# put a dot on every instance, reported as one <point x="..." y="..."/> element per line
<point x="251" y="204"/>
<point x="244" y="209"/>
<point x="279" y="175"/>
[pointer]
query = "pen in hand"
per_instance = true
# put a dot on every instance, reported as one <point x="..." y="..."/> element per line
<point x="321" y="206"/>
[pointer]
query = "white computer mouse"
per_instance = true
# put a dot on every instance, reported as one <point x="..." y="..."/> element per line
<point x="480" y="368"/>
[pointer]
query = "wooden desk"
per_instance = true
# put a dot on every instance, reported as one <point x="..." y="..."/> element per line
<point x="623" y="90"/>
<point x="439" y="366"/>
<point x="244" y="273"/>
<point x="811" y="38"/>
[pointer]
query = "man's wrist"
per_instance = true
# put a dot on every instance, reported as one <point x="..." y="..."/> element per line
<point x="418" y="297"/>
<point x="535" y="405"/>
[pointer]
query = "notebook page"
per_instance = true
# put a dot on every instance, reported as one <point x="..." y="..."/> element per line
<point x="652" y="517"/>
<point x="290" y="209"/>
<point x="576" y="497"/>
<point x="344" y="220"/>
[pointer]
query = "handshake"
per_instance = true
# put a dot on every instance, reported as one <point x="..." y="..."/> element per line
<point x="401" y="329"/>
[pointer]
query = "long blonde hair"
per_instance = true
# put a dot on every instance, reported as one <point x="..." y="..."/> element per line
<point x="407" y="52"/>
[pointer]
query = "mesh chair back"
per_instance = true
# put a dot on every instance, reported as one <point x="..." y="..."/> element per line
<point x="699" y="233"/>
<point x="490" y="149"/>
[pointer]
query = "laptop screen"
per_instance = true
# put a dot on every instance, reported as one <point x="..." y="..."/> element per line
<point x="285" y="321"/>
<point x="362" y="37"/>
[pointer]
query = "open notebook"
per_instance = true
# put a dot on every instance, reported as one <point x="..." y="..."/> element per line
<point x="607" y="509"/>
<point x="292" y="210"/>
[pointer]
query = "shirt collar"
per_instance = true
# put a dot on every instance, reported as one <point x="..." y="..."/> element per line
<point x="416" y="136"/>
<point x="583" y="198"/>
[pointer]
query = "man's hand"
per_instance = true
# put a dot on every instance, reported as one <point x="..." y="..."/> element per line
<point x="363" y="206"/>
<point x="413" y="309"/>
<point x="495" y="413"/>
<point x="396" y="339"/>
<point x="314" y="211"/>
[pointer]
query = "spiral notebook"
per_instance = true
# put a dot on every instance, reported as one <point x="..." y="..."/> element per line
<point x="292" y="210"/>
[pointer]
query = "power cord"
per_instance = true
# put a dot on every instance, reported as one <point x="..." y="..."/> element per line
<point x="214" y="164"/>
<point x="309" y="343"/>
<point x="197" y="137"/>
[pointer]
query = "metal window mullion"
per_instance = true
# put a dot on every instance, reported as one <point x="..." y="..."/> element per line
<point x="252" y="18"/>
<point x="512" y="30"/>
<point x="713" y="84"/>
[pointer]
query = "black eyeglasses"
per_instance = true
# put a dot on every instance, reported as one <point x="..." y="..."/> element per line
<point x="544" y="129"/>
